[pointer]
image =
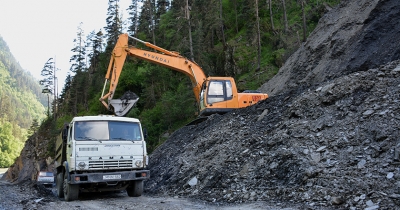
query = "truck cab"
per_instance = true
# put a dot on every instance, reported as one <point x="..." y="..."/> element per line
<point x="101" y="153"/>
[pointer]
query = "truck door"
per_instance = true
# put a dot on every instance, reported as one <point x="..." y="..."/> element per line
<point x="69" y="145"/>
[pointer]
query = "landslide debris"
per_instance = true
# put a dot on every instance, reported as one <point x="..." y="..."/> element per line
<point x="328" y="136"/>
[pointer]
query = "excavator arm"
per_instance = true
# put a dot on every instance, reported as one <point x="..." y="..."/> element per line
<point x="169" y="59"/>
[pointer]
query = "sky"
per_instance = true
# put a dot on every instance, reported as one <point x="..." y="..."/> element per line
<point x="36" y="30"/>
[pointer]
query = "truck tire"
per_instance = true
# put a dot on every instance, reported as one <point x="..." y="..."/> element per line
<point x="135" y="189"/>
<point x="59" y="185"/>
<point x="71" y="191"/>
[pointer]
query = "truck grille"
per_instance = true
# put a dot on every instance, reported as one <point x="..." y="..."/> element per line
<point x="102" y="164"/>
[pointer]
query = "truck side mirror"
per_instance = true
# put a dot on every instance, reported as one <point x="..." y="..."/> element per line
<point x="145" y="133"/>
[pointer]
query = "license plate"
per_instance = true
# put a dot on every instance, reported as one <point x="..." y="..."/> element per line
<point x="112" y="176"/>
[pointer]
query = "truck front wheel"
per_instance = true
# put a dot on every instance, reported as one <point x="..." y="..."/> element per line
<point x="71" y="191"/>
<point x="60" y="185"/>
<point x="135" y="188"/>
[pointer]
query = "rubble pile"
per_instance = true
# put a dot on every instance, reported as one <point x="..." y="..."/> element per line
<point x="328" y="136"/>
<point x="335" y="144"/>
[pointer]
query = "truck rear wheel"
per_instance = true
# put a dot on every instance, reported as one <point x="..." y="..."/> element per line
<point x="135" y="189"/>
<point x="60" y="185"/>
<point x="71" y="191"/>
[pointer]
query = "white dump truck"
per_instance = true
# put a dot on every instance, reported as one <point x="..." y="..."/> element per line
<point x="101" y="153"/>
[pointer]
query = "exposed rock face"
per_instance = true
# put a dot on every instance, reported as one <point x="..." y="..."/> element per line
<point x="355" y="36"/>
<point x="327" y="138"/>
<point x="30" y="161"/>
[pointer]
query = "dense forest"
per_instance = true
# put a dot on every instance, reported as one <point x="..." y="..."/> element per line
<point x="246" y="39"/>
<point x="21" y="106"/>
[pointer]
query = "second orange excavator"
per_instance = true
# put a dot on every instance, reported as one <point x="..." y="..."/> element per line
<point x="213" y="94"/>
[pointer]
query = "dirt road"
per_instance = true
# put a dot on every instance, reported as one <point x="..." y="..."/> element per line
<point x="28" y="195"/>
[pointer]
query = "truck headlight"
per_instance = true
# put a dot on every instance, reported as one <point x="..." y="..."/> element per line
<point x="138" y="163"/>
<point x="81" y="165"/>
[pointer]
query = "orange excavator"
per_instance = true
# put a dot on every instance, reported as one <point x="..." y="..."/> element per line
<point x="213" y="94"/>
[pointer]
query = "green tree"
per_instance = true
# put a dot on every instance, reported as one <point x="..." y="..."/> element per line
<point x="77" y="60"/>
<point x="133" y="19"/>
<point x="94" y="43"/>
<point x="48" y="81"/>
<point x="34" y="127"/>
<point x="114" y="24"/>
<point x="9" y="147"/>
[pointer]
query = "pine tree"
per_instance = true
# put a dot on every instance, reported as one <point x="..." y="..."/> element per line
<point x="94" y="46"/>
<point x="114" y="24"/>
<point x="78" y="66"/>
<point x="133" y="19"/>
<point x="34" y="127"/>
<point x="146" y="21"/>
<point x="78" y="59"/>
<point x="162" y="8"/>
<point x="47" y="82"/>
<point x="65" y="97"/>
<point x="48" y="74"/>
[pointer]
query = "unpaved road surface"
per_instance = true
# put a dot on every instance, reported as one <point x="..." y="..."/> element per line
<point x="28" y="195"/>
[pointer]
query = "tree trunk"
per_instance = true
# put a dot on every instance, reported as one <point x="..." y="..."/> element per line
<point x="285" y="16"/>
<point x="222" y="23"/>
<point x="190" y="31"/>
<point x="55" y="91"/>
<point x="271" y="15"/>
<point x="236" y="16"/>
<point x="258" y="38"/>
<point x="48" y="105"/>
<point x="304" y="21"/>
<point x="152" y="22"/>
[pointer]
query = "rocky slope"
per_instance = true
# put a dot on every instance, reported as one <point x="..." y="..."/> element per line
<point x="328" y="136"/>
<point x="355" y="36"/>
<point x="33" y="158"/>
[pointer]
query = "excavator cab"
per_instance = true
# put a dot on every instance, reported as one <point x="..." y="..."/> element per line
<point x="216" y="96"/>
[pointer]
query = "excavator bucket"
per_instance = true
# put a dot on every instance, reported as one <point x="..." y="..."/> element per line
<point x="122" y="107"/>
<point x="124" y="104"/>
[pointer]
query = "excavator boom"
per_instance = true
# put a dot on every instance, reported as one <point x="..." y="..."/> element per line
<point x="166" y="58"/>
<point x="213" y="94"/>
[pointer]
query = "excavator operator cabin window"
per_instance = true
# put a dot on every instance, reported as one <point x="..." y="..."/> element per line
<point x="229" y="93"/>
<point x="218" y="91"/>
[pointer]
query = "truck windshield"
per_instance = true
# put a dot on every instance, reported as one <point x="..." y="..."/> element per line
<point x="107" y="130"/>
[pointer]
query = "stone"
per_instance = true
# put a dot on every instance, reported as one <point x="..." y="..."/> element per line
<point x="337" y="200"/>
<point x="193" y="182"/>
